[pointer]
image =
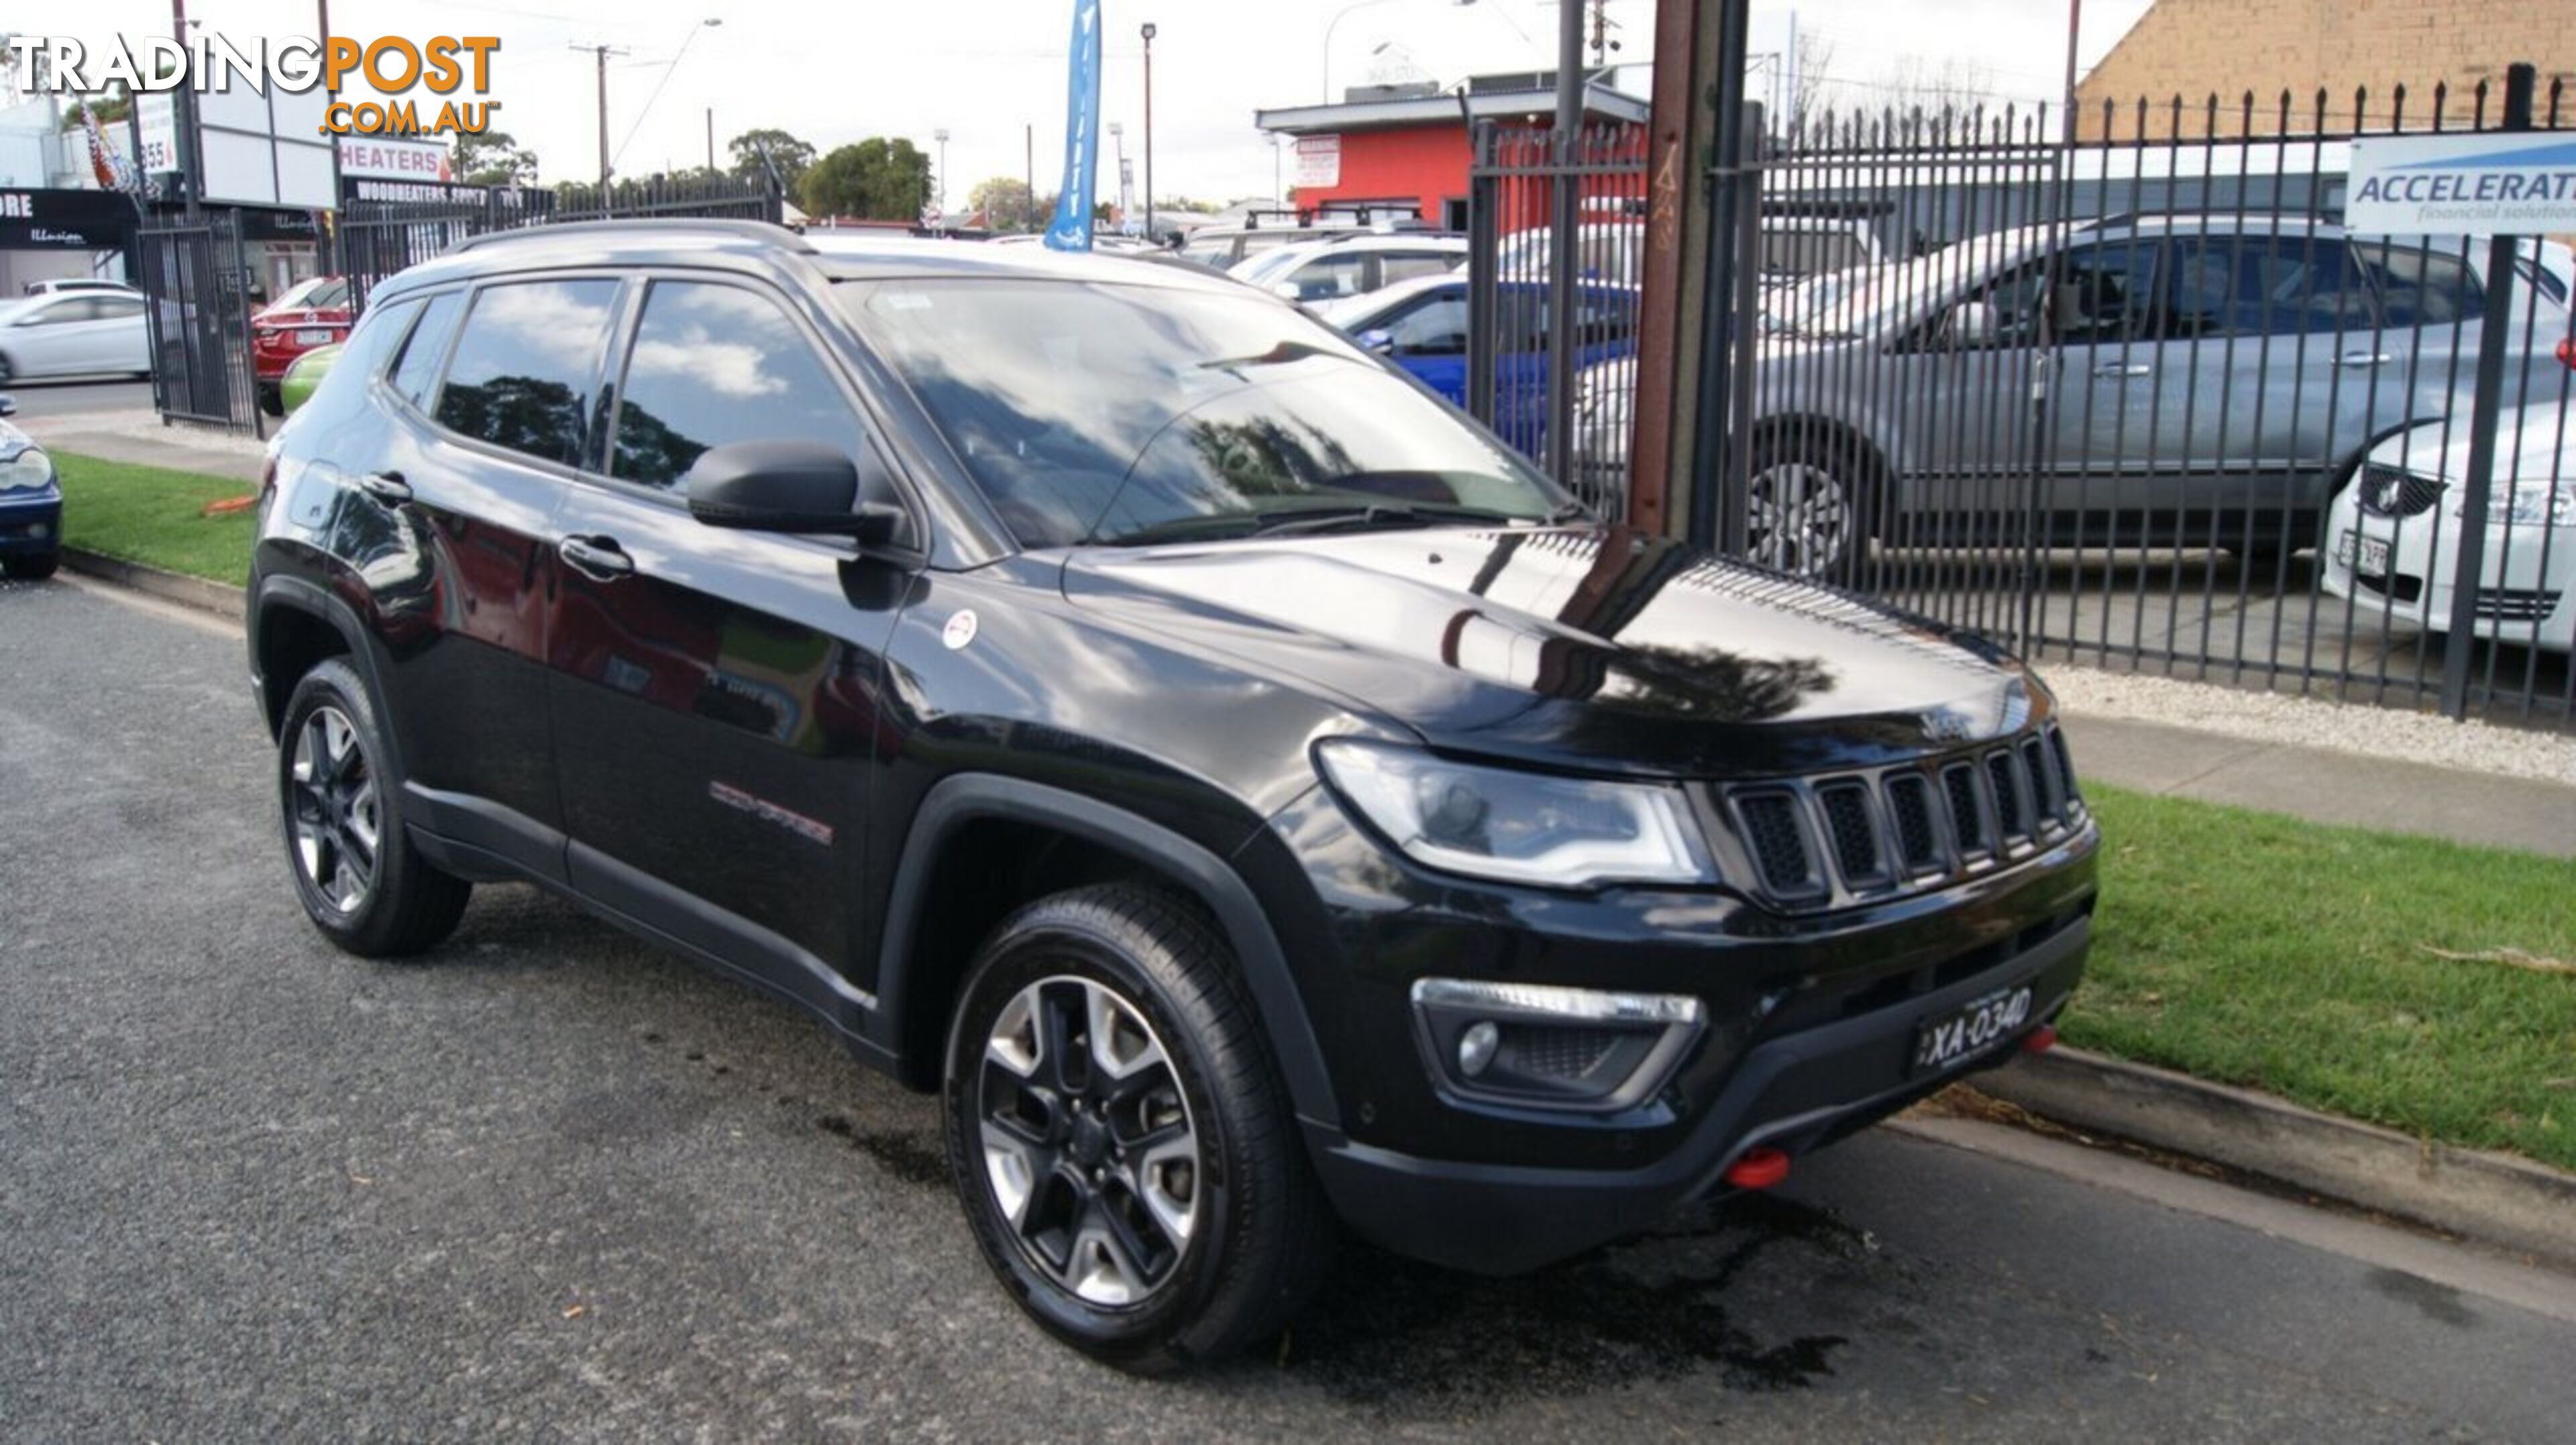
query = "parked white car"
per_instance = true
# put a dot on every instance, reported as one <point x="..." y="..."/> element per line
<point x="80" y="283"/>
<point x="2392" y="539"/>
<point x="1313" y="272"/>
<point x="74" y="333"/>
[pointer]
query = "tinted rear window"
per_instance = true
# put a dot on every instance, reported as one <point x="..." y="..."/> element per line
<point x="521" y="377"/>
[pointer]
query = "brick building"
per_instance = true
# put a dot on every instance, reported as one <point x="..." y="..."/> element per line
<point x="2197" y="48"/>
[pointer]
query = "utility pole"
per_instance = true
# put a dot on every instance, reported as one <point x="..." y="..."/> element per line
<point x="603" y="52"/>
<point x="941" y="136"/>
<point x="1148" y="33"/>
<point x="1029" y="159"/>
<point x="1600" y="34"/>
<point x="711" y="141"/>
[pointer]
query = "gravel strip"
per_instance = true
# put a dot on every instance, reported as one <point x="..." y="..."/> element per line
<point x="144" y="426"/>
<point x="2315" y="723"/>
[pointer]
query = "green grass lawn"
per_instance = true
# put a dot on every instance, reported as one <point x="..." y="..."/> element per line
<point x="153" y="516"/>
<point x="2291" y="957"/>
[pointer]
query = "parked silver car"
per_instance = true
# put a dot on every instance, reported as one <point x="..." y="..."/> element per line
<point x="2187" y="380"/>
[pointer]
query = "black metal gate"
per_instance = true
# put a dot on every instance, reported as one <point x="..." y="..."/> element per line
<point x="2135" y="399"/>
<point x="197" y="284"/>
<point x="381" y="237"/>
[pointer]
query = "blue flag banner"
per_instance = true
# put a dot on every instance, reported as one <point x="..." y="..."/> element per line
<point x="1071" y="228"/>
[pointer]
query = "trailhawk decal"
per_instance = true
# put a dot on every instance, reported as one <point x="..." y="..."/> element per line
<point x="769" y="812"/>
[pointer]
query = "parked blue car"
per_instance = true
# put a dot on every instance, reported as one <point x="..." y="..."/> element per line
<point x="31" y="505"/>
<point x="1421" y="325"/>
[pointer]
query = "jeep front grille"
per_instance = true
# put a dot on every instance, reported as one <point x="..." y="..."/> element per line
<point x="1859" y="837"/>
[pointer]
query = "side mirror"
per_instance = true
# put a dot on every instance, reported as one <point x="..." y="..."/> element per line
<point x="8" y="404"/>
<point x="788" y="486"/>
<point x="1973" y="323"/>
<point x="1377" y="339"/>
<point x="1287" y="291"/>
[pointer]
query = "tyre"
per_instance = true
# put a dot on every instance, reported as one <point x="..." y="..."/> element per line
<point x="1808" y="512"/>
<point x="359" y="877"/>
<point x="35" y="567"/>
<point x="1119" y="1136"/>
<point x="8" y="369"/>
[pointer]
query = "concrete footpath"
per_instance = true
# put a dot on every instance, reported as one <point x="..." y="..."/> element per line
<point x="141" y="438"/>
<point x="2325" y="785"/>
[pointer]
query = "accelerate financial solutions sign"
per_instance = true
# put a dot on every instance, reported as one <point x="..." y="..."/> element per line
<point x="2509" y="183"/>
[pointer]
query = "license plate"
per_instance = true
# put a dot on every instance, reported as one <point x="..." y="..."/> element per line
<point x="2366" y="555"/>
<point x="313" y="336"/>
<point x="1954" y="1036"/>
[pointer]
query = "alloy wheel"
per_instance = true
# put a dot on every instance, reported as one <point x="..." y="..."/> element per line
<point x="1798" y="519"/>
<point x="1088" y="1143"/>
<point x="337" y="812"/>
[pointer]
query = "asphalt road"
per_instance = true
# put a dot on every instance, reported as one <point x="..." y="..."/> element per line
<point x="549" y="1181"/>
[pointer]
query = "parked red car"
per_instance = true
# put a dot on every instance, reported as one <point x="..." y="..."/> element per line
<point x="313" y="312"/>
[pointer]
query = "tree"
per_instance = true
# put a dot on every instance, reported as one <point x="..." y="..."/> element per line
<point x="874" y="180"/>
<point x="1005" y="201"/>
<point x="791" y="156"/>
<point x="494" y="158"/>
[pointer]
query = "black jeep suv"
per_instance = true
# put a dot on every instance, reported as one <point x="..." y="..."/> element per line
<point x="1101" y="693"/>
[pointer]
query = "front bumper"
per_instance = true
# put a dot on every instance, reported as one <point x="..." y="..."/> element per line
<point x="1794" y="1093"/>
<point x="2526" y="575"/>
<point x="31" y="523"/>
<point x="1811" y="1021"/>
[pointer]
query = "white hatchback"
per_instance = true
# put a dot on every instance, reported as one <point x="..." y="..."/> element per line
<point x="2392" y="537"/>
<point x="74" y="333"/>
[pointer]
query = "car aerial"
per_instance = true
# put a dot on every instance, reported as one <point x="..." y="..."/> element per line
<point x="313" y="312"/>
<point x="74" y="333"/>
<point x="1247" y="792"/>
<point x="1341" y="267"/>
<point x="2394" y="534"/>
<point x="1421" y="325"/>
<point x="2206" y="381"/>
<point x="31" y="504"/>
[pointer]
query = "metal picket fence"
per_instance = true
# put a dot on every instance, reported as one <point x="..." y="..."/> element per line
<point x="381" y="237"/>
<point x="195" y="276"/>
<point x="2139" y="401"/>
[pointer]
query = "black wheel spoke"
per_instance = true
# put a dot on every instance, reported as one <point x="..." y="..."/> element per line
<point x="1095" y="1169"/>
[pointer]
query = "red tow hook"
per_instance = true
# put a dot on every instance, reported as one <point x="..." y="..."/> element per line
<point x="2039" y="1040"/>
<point x="1758" y="1169"/>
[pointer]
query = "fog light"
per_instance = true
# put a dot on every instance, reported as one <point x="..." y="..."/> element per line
<point x="1551" y="1047"/>
<point x="1476" y="1047"/>
<point x="40" y="531"/>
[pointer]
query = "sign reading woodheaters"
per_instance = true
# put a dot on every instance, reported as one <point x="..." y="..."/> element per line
<point x="2495" y="183"/>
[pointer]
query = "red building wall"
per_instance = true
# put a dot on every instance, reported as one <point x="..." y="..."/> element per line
<point x="1427" y="163"/>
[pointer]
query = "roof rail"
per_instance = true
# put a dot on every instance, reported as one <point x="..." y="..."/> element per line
<point x="636" y="225"/>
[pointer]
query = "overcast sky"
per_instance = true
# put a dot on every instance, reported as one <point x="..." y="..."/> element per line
<point x="985" y="69"/>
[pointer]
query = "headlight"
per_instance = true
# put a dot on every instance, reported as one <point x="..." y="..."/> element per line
<point x="2532" y="504"/>
<point x="26" y="471"/>
<point x="1520" y="827"/>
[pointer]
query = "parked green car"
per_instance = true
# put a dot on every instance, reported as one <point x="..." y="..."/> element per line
<point x="304" y="375"/>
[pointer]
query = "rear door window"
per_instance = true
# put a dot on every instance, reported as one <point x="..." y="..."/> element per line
<point x="1435" y="325"/>
<point x="1406" y="265"/>
<point x="526" y="365"/>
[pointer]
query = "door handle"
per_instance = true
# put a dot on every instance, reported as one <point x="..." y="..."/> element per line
<point x="2111" y="370"/>
<point x="2362" y="358"/>
<point x="598" y="558"/>
<point x="386" y="487"/>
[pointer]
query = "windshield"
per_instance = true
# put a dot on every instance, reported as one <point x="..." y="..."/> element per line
<point x="1111" y="412"/>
